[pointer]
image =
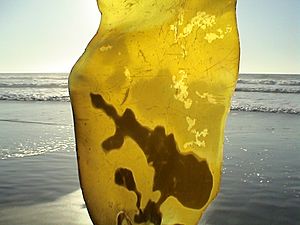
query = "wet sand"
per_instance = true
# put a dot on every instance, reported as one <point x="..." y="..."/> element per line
<point x="39" y="181"/>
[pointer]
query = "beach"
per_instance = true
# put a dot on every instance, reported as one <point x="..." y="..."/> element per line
<point x="39" y="179"/>
<point x="261" y="180"/>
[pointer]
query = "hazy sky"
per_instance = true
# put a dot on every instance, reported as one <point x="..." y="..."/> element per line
<point x="50" y="35"/>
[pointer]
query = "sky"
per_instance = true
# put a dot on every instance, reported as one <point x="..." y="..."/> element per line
<point x="50" y="35"/>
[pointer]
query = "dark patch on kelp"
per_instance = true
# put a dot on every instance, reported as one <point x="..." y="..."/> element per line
<point x="182" y="176"/>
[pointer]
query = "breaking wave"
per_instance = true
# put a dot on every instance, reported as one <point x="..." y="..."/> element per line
<point x="268" y="89"/>
<point x="248" y="108"/>
<point x="254" y="93"/>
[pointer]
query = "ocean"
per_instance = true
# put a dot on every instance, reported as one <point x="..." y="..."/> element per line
<point x="38" y="171"/>
<point x="254" y="92"/>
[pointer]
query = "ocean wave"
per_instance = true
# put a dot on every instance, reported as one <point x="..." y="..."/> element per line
<point x="271" y="89"/>
<point x="270" y="82"/>
<point x="19" y="97"/>
<point x="29" y="76"/>
<point x="248" y="108"/>
<point x="239" y="88"/>
<point x="33" y="85"/>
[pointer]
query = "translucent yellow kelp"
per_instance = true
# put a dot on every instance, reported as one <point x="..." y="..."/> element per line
<point x="150" y="97"/>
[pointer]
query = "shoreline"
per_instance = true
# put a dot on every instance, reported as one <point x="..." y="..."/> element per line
<point x="234" y="108"/>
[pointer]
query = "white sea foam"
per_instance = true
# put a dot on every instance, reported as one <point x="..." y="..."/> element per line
<point x="270" y="82"/>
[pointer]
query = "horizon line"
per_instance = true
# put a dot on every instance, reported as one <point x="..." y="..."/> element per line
<point x="240" y="73"/>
